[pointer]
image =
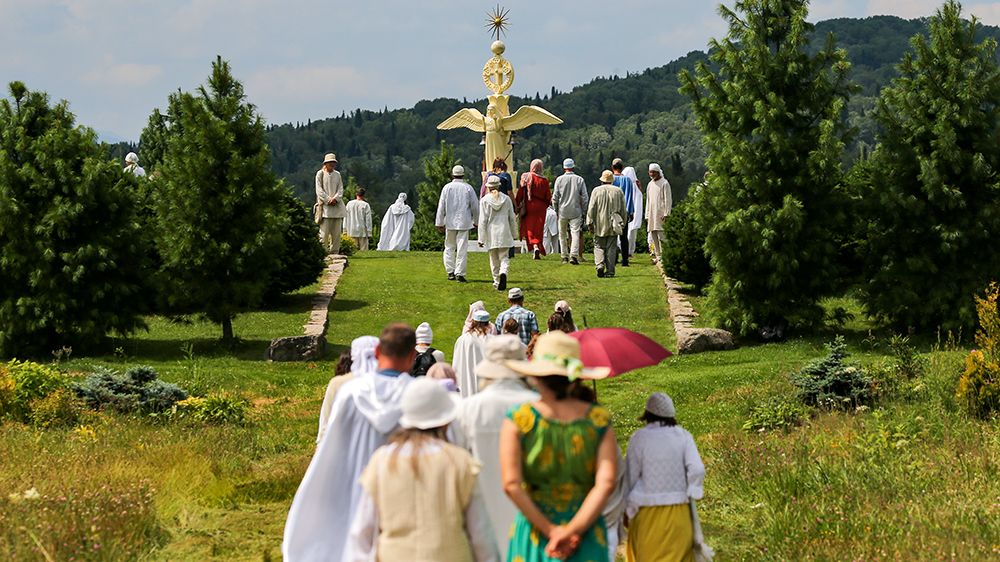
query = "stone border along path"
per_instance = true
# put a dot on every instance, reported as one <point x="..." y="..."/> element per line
<point x="312" y="345"/>
<point x="691" y="339"/>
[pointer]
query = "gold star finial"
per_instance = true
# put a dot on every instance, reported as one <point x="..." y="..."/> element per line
<point x="497" y="21"/>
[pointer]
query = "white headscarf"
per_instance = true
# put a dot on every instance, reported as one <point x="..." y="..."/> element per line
<point x="476" y="306"/>
<point x="400" y="207"/>
<point x="131" y="158"/>
<point x="629" y="172"/>
<point x="363" y="360"/>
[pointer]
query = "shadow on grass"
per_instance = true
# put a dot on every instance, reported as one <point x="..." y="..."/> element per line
<point x="346" y="305"/>
<point x="202" y="348"/>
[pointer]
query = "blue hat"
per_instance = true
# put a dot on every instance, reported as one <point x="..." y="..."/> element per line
<point x="569" y="164"/>
<point x="481" y="316"/>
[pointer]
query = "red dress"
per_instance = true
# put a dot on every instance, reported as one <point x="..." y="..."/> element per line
<point x="535" y="198"/>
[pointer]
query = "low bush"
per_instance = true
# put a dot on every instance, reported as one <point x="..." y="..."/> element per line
<point x="348" y="247"/>
<point x="23" y="383"/>
<point x="215" y="409"/>
<point x="776" y="413"/>
<point x="684" y="252"/>
<point x="979" y="387"/>
<point x="833" y="382"/>
<point x="138" y="390"/>
<point x="61" y="408"/>
<point x="908" y="363"/>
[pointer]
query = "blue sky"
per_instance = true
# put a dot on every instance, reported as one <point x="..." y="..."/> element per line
<point x="115" y="60"/>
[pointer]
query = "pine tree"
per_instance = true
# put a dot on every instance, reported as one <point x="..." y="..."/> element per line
<point x="437" y="173"/>
<point x="934" y="195"/>
<point x="72" y="250"/>
<point x="773" y="122"/>
<point x="221" y="213"/>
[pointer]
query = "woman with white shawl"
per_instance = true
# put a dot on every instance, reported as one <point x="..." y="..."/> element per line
<point x="470" y="349"/>
<point x="362" y="363"/>
<point x="636" y="224"/>
<point x="478" y="305"/>
<point x="396" y="226"/>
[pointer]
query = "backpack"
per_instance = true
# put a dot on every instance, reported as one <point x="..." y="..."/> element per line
<point x="423" y="362"/>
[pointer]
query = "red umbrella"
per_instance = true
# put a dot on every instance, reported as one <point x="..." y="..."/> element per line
<point x="619" y="349"/>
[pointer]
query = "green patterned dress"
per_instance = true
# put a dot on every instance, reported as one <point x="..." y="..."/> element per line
<point x="559" y="468"/>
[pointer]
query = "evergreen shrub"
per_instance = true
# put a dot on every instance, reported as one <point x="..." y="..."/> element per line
<point x="138" y="390"/>
<point x="302" y="257"/>
<point x="684" y="253"/>
<point x="834" y="382"/>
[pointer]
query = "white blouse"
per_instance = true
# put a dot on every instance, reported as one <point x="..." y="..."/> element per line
<point x="664" y="468"/>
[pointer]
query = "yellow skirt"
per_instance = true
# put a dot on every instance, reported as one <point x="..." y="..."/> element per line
<point x="661" y="533"/>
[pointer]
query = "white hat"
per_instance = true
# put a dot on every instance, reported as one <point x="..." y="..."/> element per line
<point x="331" y="157"/>
<point x="569" y="164"/>
<point x="563" y="306"/>
<point x="557" y="353"/>
<point x="458" y="172"/>
<point x="499" y="350"/>
<point x="481" y="316"/>
<point x="607" y="176"/>
<point x="132" y="158"/>
<point x="424" y="333"/>
<point x="661" y="405"/>
<point x="426" y="405"/>
<point x="654" y="167"/>
<point x="515" y="293"/>
<point x="493" y="181"/>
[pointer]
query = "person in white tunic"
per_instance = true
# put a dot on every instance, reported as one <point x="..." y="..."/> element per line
<point x="396" y="226"/>
<point x="421" y="501"/>
<point x="358" y="222"/>
<point x="480" y="418"/>
<point x="132" y="165"/>
<point x="362" y="363"/>
<point x="457" y="213"/>
<point x="659" y="202"/>
<point x="570" y="200"/>
<point x="364" y="413"/>
<point x="470" y="349"/>
<point x="638" y="216"/>
<point x="551" y="240"/>
<point x="330" y="194"/>
<point x="497" y="224"/>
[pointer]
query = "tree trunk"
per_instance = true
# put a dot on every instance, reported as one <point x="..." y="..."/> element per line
<point x="227" y="330"/>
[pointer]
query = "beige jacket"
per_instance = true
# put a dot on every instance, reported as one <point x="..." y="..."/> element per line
<point x="331" y="185"/>
<point x="607" y="213"/>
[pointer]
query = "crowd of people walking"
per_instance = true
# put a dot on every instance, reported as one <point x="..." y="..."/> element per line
<point x="505" y="456"/>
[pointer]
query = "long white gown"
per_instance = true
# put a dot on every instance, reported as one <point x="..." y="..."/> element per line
<point x="551" y="240"/>
<point x="396" y="226"/>
<point x="365" y="411"/>
<point x="470" y="349"/>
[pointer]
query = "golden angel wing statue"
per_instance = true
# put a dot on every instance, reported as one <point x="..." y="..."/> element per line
<point x="528" y="115"/>
<point x="468" y="118"/>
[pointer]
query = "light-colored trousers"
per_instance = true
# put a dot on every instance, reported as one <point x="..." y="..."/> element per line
<point x="330" y="231"/>
<point x="632" y="235"/>
<point x="657" y="239"/>
<point x="362" y="243"/>
<point x="499" y="262"/>
<point x="606" y="253"/>
<point x="571" y="229"/>
<point x="456" y="251"/>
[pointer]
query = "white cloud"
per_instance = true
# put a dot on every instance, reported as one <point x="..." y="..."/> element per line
<point x="125" y="75"/>
<point x="306" y="83"/>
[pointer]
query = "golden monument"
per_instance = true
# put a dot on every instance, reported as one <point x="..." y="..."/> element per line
<point x="498" y="123"/>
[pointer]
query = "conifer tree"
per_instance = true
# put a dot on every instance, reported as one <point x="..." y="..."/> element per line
<point x="934" y="195"/>
<point x="773" y="120"/>
<point x="72" y="251"/>
<point x="437" y="173"/>
<point x="221" y="211"/>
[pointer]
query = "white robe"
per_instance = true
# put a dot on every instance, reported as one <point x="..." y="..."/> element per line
<point x="365" y="412"/>
<point x="396" y="225"/>
<point x="551" y="241"/>
<point x="497" y="221"/>
<point x="358" y="223"/>
<point x="470" y="349"/>
<point x="478" y="421"/>
<point x="458" y="207"/>
<point x="658" y="204"/>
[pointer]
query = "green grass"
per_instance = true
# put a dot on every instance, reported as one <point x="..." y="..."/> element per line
<point x="909" y="479"/>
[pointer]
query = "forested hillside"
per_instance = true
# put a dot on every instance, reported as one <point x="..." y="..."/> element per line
<point x="640" y="117"/>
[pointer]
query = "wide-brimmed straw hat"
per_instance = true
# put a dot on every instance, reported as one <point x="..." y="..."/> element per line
<point x="331" y="157"/>
<point x="558" y="354"/>
<point x="500" y="350"/>
<point x="426" y="405"/>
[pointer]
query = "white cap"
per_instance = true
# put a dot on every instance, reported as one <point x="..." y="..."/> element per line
<point x="426" y="405"/>
<point x="132" y="158"/>
<point x="563" y="306"/>
<point x="661" y="405"/>
<point x="424" y="333"/>
<point x="515" y="293"/>
<point x="654" y="167"/>
<point x="569" y="164"/>
<point x="458" y="172"/>
<point x="493" y="181"/>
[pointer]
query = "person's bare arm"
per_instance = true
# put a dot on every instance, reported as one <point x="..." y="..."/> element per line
<point x="512" y="476"/>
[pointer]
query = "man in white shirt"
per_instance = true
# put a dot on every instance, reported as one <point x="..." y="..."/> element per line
<point x="659" y="203"/>
<point x="569" y="198"/>
<point x="457" y="212"/>
<point x="359" y="220"/>
<point x="330" y="194"/>
<point x="132" y="165"/>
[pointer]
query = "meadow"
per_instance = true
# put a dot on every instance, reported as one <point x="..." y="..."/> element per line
<point x="909" y="477"/>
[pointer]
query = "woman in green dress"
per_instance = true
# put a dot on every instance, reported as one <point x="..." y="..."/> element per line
<point x="558" y="460"/>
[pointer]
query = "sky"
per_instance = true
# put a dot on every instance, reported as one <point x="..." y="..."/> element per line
<point x="116" y="60"/>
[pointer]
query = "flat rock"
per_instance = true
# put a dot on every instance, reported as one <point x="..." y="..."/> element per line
<point x="297" y="348"/>
<point x="698" y="340"/>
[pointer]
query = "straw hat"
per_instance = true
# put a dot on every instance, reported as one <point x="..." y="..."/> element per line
<point x="607" y="176"/>
<point x="558" y="354"/>
<point x="426" y="405"/>
<point x="331" y="157"/>
<point x="500" y="350"/>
